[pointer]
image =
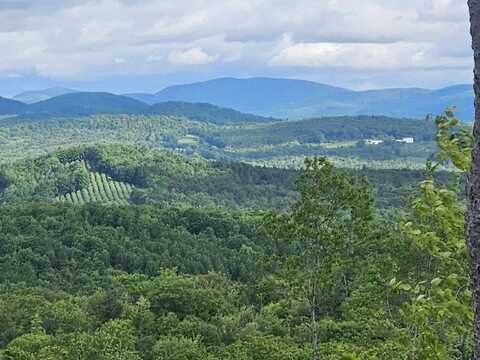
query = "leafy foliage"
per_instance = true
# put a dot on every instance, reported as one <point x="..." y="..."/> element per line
<point x="438" y="316"/>
<point x="325" y="227"/>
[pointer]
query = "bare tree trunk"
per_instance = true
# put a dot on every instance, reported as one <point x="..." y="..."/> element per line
<point x="472" y="219"/>
<point x="313" y="322"/>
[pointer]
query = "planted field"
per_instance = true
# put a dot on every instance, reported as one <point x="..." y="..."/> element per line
<point x="99" y="188"/>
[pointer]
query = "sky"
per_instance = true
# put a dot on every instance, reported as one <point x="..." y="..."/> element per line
<point x="127" y="46"/>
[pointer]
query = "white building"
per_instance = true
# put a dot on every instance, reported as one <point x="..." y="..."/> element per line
<point x="406" y="140"/>
<point x="373" y="142"/>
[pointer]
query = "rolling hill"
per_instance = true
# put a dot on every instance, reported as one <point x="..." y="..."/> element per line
<point x="330" y="129"/>
<point x="280" y="143"/>
<point x="97" y="187"/>
<point x="96" y="103"/>
<point x="87" y="103"/>
<point x="285" y="98"/>
<point x="256" y="95"/>
<point x="11" y="107"/>
<point x="30" y="97"/>
<point x="125" y="174"/>
<point x="229" y="100"/>
<point x="204" y="112"/>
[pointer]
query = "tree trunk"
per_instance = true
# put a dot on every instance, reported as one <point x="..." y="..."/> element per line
<point x="472" y="220"/>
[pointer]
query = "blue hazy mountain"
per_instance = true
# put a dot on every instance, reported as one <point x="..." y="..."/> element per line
<point x="91" y="103"/>
<point x="30" y="97"/>
<point x="11" y="107"/>
<point x="257" y="95"/>
<point x="205" y="113"/>
<point x="235" y="100"/>
<point x="87" y="103"/>
<point x="286" y="98"/>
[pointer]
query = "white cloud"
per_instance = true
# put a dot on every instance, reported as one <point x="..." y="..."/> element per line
<point x="195" y="56"/>
<point x="81" y="39"/>
<point x="399" y="55"/>
<point x="443" y="10"/>
<point x="155" y="58"/>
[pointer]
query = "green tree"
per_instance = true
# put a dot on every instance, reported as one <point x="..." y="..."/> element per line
<point x="116" y="341"/>
<point x="437" y="316"/>
<point x="331" y="218"/>
<point x="29" y="346"/>
<point x="179" y="348"/>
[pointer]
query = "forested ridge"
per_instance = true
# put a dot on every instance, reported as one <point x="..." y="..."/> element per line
<point x="70" y="103"/>
<point x="273" y="144"/>
<point x="196" y="259"/>
<point x="132" y="174"/>
<point x="262" y="97"/>
<point x="290" y="98"/>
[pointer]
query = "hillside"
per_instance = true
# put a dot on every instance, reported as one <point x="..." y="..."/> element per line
<point x="86" y="103"/>
<point x="11" y="107"/>
<point x="30" y="97"/>
<point x="118" y="174"/>
<point x="205" y="113"/>
<point x="186" y="264"/>
<point x="229" y="101"/>
<point x="285" y="98"/>
<point x="281" y="143"/>
<point x="319" y="130"/>
<point x="256" y="95"/>
<point x="74" y="104"/>
<point x="125" y="174"/>
<point x="96" y="187"/>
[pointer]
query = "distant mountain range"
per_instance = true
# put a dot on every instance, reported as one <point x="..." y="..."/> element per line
<point x="285" y="98"/>
<point x="205" y="113"/>
<point x="30" y="97"/>
<point x="10" y="107"/>
<point x="87" y="103"/>
<point x="229" y="98"/>
<point x="91" y="103"/>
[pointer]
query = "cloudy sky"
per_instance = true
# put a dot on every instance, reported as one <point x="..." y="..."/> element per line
<point x="144" y="45"/>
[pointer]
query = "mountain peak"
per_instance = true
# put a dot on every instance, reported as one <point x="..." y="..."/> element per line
<point x="290" y="98"/>
<point x="87" y="103"/>
<point x="31" y="97"/>
<point x="11" y="107"/>
<point x="264" y="97"/>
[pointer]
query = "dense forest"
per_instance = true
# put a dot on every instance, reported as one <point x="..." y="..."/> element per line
<point x="333" y="129"/>
<point x="127" y="252"/>
<point x="129" y="174"/>
<point x="273" y="144"/>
